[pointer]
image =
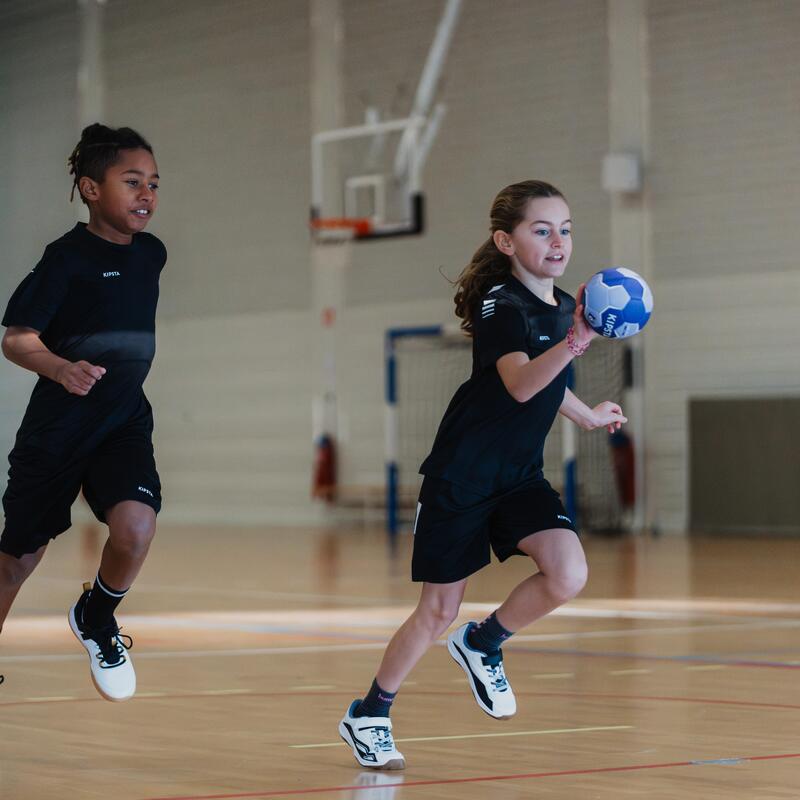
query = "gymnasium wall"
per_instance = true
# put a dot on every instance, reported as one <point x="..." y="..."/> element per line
<point x="222" y="91"/>
<point x="725" y="199"/>
<point x="38" y="64"/>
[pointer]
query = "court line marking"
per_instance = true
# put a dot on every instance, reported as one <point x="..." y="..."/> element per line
<point x="723" y="761"/>
<point x="438" y="693"/>
<point x="543" y="651"/>
<point x="480" y="735"/>
<point x="630" y="672"/>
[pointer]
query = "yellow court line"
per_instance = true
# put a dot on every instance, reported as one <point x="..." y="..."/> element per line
<point x="548" y="676"/>
<point x="301" y="687"/>
<point x="706" y="667"/>
<point x="481" y="735"/>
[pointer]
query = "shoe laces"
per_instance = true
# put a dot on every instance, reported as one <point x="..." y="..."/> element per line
<point x="381" y="739"/>
<point x="111" y="643"/>
<point x="493" y="663"/>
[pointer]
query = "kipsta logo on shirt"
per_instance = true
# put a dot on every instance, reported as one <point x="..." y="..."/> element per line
<point x="111" y="275"/>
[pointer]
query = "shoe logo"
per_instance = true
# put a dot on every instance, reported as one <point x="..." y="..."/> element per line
<point x="111" y="275"/>
<point x="146" y="491"/>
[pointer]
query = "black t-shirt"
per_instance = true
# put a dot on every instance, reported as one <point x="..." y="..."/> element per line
<point x="95" y="301"/>
<point x="487" y="441"/>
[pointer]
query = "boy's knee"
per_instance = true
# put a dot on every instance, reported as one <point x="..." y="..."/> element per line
<point x="134" y="534"/>
<point x="15" y="571"/>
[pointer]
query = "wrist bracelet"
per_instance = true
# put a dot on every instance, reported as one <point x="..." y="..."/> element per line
<point x="575" y="348"/>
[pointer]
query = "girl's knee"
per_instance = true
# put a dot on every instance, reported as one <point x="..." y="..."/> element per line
<point x="440" y="616"/>
<point x="568" y="582"/>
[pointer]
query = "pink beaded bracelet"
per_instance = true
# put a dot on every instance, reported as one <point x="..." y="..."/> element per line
<point x="575" y="348"/>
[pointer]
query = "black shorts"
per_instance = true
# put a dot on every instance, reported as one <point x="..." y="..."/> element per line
<point x="456" y="528"/>
<point x="42" y="486"/>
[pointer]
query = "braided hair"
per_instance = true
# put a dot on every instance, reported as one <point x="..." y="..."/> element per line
<point x="98" y="150"/>
<point x="489" y="266"/>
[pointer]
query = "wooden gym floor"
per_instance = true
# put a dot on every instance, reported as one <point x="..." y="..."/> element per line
<point x="675" y="675"/>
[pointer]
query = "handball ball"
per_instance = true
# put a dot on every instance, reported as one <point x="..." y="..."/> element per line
<point x="617" y="303"/>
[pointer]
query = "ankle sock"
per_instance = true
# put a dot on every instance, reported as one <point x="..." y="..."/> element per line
<point x="377" y="703"/>
<point x="488" y="636"/>
<point x="101" y="604"/>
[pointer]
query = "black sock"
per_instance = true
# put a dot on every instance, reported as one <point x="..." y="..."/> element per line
<point x="488" y="636"/>
<point x="377" y="702"/>
<point x="100" y="604"/>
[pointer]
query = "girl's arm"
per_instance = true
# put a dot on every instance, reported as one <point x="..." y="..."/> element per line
<point x="523" y="377"/>
<point x="23" y="347"/>
<point x="605" y="414"/>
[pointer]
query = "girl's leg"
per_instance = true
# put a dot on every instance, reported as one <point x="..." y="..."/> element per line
<point x="366" y="726"/>
<point x="13" y="573"/>
<point x="437" y="608"/>
<point x="562" y="574"/>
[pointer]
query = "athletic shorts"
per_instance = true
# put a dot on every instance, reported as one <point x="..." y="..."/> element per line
<point x="42" y="486"/>
<point x="456" y="529"/>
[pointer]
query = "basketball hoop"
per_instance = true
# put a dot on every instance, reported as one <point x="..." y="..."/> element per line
<point x="332" y="230"/>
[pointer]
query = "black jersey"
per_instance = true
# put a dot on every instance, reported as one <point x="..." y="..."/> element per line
<point x="488" y="441"/>
<point x="91" y="300"/>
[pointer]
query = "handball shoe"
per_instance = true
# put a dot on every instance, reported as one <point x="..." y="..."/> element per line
<point x="371" y="740"/>
<point x="111" y="665"/>
<point x="485" y="674"/>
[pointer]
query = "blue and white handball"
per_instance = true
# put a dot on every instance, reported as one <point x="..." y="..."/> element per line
<point x="617" y="303"/>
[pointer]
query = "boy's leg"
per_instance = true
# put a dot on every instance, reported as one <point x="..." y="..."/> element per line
<point x="131" y="530"/>
<point x="13" y="573"/>
<point x="366" y="726"/>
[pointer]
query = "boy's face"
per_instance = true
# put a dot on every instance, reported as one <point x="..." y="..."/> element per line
<point x="124" y="202"/>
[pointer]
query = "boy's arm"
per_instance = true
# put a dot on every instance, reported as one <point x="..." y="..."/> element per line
<point x="605" y="414"/>
<point x="23" y="347"/>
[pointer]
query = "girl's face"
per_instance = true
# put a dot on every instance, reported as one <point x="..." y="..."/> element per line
<point x="124" y="202"/>
<point x="541" y="244"/>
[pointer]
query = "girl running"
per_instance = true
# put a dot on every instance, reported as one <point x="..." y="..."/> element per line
<point x="483" y="486"/>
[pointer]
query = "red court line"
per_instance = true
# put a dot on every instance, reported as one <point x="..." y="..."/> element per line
<point x="423" y="692"/>
<point x="477" y="779"/>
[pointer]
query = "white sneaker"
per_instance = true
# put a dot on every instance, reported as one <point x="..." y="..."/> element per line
<point x="111" y="665"/>
<point x="371" y="740"/>
<point x="487" y="679"/>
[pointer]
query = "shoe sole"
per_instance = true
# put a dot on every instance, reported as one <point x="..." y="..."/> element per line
<point x="456" y="656"/>
<point x="394" y="764"/>
<point x="73" y="624"/>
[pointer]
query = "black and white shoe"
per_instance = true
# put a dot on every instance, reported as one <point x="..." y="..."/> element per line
<point x="371" y="740"/>
<point x="111" y="666"/>
<point x="485" y="673"/>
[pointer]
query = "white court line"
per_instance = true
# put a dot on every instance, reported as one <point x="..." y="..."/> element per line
<point x="481" y="735"/>
<point x="154" y="588"/>
<point x="339" y="648"/>
<point x="630" y="672"/>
